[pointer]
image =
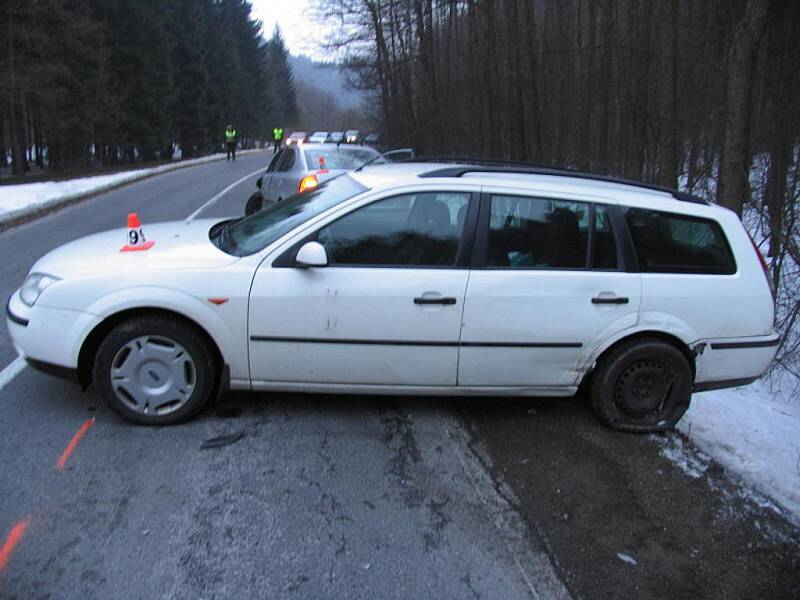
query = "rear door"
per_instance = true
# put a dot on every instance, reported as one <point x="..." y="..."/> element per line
<point x="271" y="168"/>
<point x="547" y="285"/>
<point x="283" y="182"/>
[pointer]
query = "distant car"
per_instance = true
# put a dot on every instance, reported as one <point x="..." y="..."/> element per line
<point x="318" y="137"/>
<point x="297" y="137"/>
<point x="351" y="136"/>
<point x="298" y="168"/>
<point x="336" y="137"/>
<point x="371" y="139"/>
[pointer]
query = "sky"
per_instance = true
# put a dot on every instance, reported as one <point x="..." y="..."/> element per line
<point x="302" y="33"/>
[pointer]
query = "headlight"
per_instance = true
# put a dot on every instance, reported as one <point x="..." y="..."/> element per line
<point x="34" y="285"/>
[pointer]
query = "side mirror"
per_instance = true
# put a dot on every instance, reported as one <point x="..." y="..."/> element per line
<point x="311" y="254"/>
<point x="260" y="182"/>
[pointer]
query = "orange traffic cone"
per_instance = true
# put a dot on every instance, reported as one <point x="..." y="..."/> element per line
<point x="136" y="239"/>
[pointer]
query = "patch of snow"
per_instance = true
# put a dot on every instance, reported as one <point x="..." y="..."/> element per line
<point x="20" y="199"/>
<point x="754" y="433"/>
<point x="687" y="459"/>
<point x="626" y="558"/>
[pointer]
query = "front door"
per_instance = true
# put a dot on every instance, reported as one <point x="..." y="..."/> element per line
<point x="547" y="287"/>
<point x="385" y="311"/>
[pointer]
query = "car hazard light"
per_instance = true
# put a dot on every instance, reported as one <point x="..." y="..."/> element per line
<point x="309" y="182"/>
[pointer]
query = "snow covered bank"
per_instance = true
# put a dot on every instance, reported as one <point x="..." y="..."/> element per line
<point x="20" y="200"/>
<point x="754" y="433"/>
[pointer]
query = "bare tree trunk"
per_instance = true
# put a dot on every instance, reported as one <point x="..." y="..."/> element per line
<point x="735" y="162"/>
<point x="15" y="118"/>
<point x="668" y="167"/>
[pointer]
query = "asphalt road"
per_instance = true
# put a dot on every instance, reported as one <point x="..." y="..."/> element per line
<point x="309" y="496"/>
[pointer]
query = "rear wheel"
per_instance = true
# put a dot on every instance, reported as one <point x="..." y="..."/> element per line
<point x="642" y="386"/>
<point x="255" y="203"/>
<point x="155" y="371"/>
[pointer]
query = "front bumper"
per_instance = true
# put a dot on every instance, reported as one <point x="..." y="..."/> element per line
<point x="16" y="320"/>
<point x="48" y="336"/>
<point x="55" y="370"/>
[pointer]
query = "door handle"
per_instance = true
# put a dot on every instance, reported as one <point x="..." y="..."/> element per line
<point x="614" y="300"/>
<point x="419" y="300"/>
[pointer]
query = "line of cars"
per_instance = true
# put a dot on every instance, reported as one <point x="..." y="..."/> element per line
<point x="351" y="136"/>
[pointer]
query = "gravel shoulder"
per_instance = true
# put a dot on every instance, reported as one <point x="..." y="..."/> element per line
<point x="623" y="521"/>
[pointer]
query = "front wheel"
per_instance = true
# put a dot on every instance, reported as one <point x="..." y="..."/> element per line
<point x="642" y="386"/>
<point x="155" y="371"/>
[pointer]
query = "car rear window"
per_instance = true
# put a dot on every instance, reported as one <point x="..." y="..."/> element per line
<point x="672" y="243"/>
<point x="339" y="158"/>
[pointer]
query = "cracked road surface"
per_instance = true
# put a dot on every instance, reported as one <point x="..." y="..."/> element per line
<point x="320" y="497"/>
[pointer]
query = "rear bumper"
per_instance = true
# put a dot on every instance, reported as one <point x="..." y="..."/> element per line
<point x="720" y="385"/>
<point x="733" y="362"/>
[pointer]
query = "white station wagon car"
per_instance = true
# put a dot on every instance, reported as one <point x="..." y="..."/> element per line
<point x="415" y="279"/>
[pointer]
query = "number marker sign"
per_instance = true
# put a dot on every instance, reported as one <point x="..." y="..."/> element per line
<point x="136" y="239"/>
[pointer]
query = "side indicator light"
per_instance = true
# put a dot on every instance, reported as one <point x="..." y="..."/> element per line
<point x="218" y="301"/>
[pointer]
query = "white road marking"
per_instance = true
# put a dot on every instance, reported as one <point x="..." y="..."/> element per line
<point x="192" y="216"/>
<point x="11" y="371"/>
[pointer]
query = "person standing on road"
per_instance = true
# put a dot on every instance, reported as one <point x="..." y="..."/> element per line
<point x="230" y="141"/>
<point x="277" y="136"/>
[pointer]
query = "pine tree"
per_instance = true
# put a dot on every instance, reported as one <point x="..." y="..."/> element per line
<point x="285" y="112"/>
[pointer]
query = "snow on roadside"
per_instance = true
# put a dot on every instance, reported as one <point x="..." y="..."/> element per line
<point x="754" y="433"/>
<point x="20" y="199"/>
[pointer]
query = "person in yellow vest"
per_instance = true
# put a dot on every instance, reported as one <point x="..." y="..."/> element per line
<point x="277" y="136"/>
<point x="230" y="141"/>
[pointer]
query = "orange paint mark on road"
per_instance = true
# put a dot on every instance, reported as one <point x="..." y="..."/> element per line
<point x="73" y="443"/>
<point x="11" y="542"/>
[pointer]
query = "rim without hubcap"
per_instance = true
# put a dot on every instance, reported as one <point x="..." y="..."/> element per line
<point x="153" y="375"/>
<point x="643" y="389"/>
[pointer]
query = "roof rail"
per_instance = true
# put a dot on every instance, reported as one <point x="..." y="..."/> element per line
<point x="527" y="169"/>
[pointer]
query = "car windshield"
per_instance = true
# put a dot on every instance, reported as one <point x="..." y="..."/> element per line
<point x="341" y="157"/>
<point x="251" y="234"/>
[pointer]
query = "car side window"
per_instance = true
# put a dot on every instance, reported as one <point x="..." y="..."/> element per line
<point x="422" y="229"/>
<point x="287" y="162"/>
<point x="673" y="243"/>
<point x="273" y="164"/>
<point x="537" y="233"/>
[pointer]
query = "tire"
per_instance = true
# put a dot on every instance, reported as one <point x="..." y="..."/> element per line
<point x="255" y="203"/>
<point x="153" y="370"/>
<point x="642" y="386"/>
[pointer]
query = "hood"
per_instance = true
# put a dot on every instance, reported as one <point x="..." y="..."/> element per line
<point x="178" y="245"/>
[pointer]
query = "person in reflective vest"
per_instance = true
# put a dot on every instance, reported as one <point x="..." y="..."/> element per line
<point x="230" y="141"/>
<point x="277" y="136"/>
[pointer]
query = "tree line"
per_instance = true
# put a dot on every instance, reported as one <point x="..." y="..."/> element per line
<point x="87" y="83"/>
<point x="699" y="95"/>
